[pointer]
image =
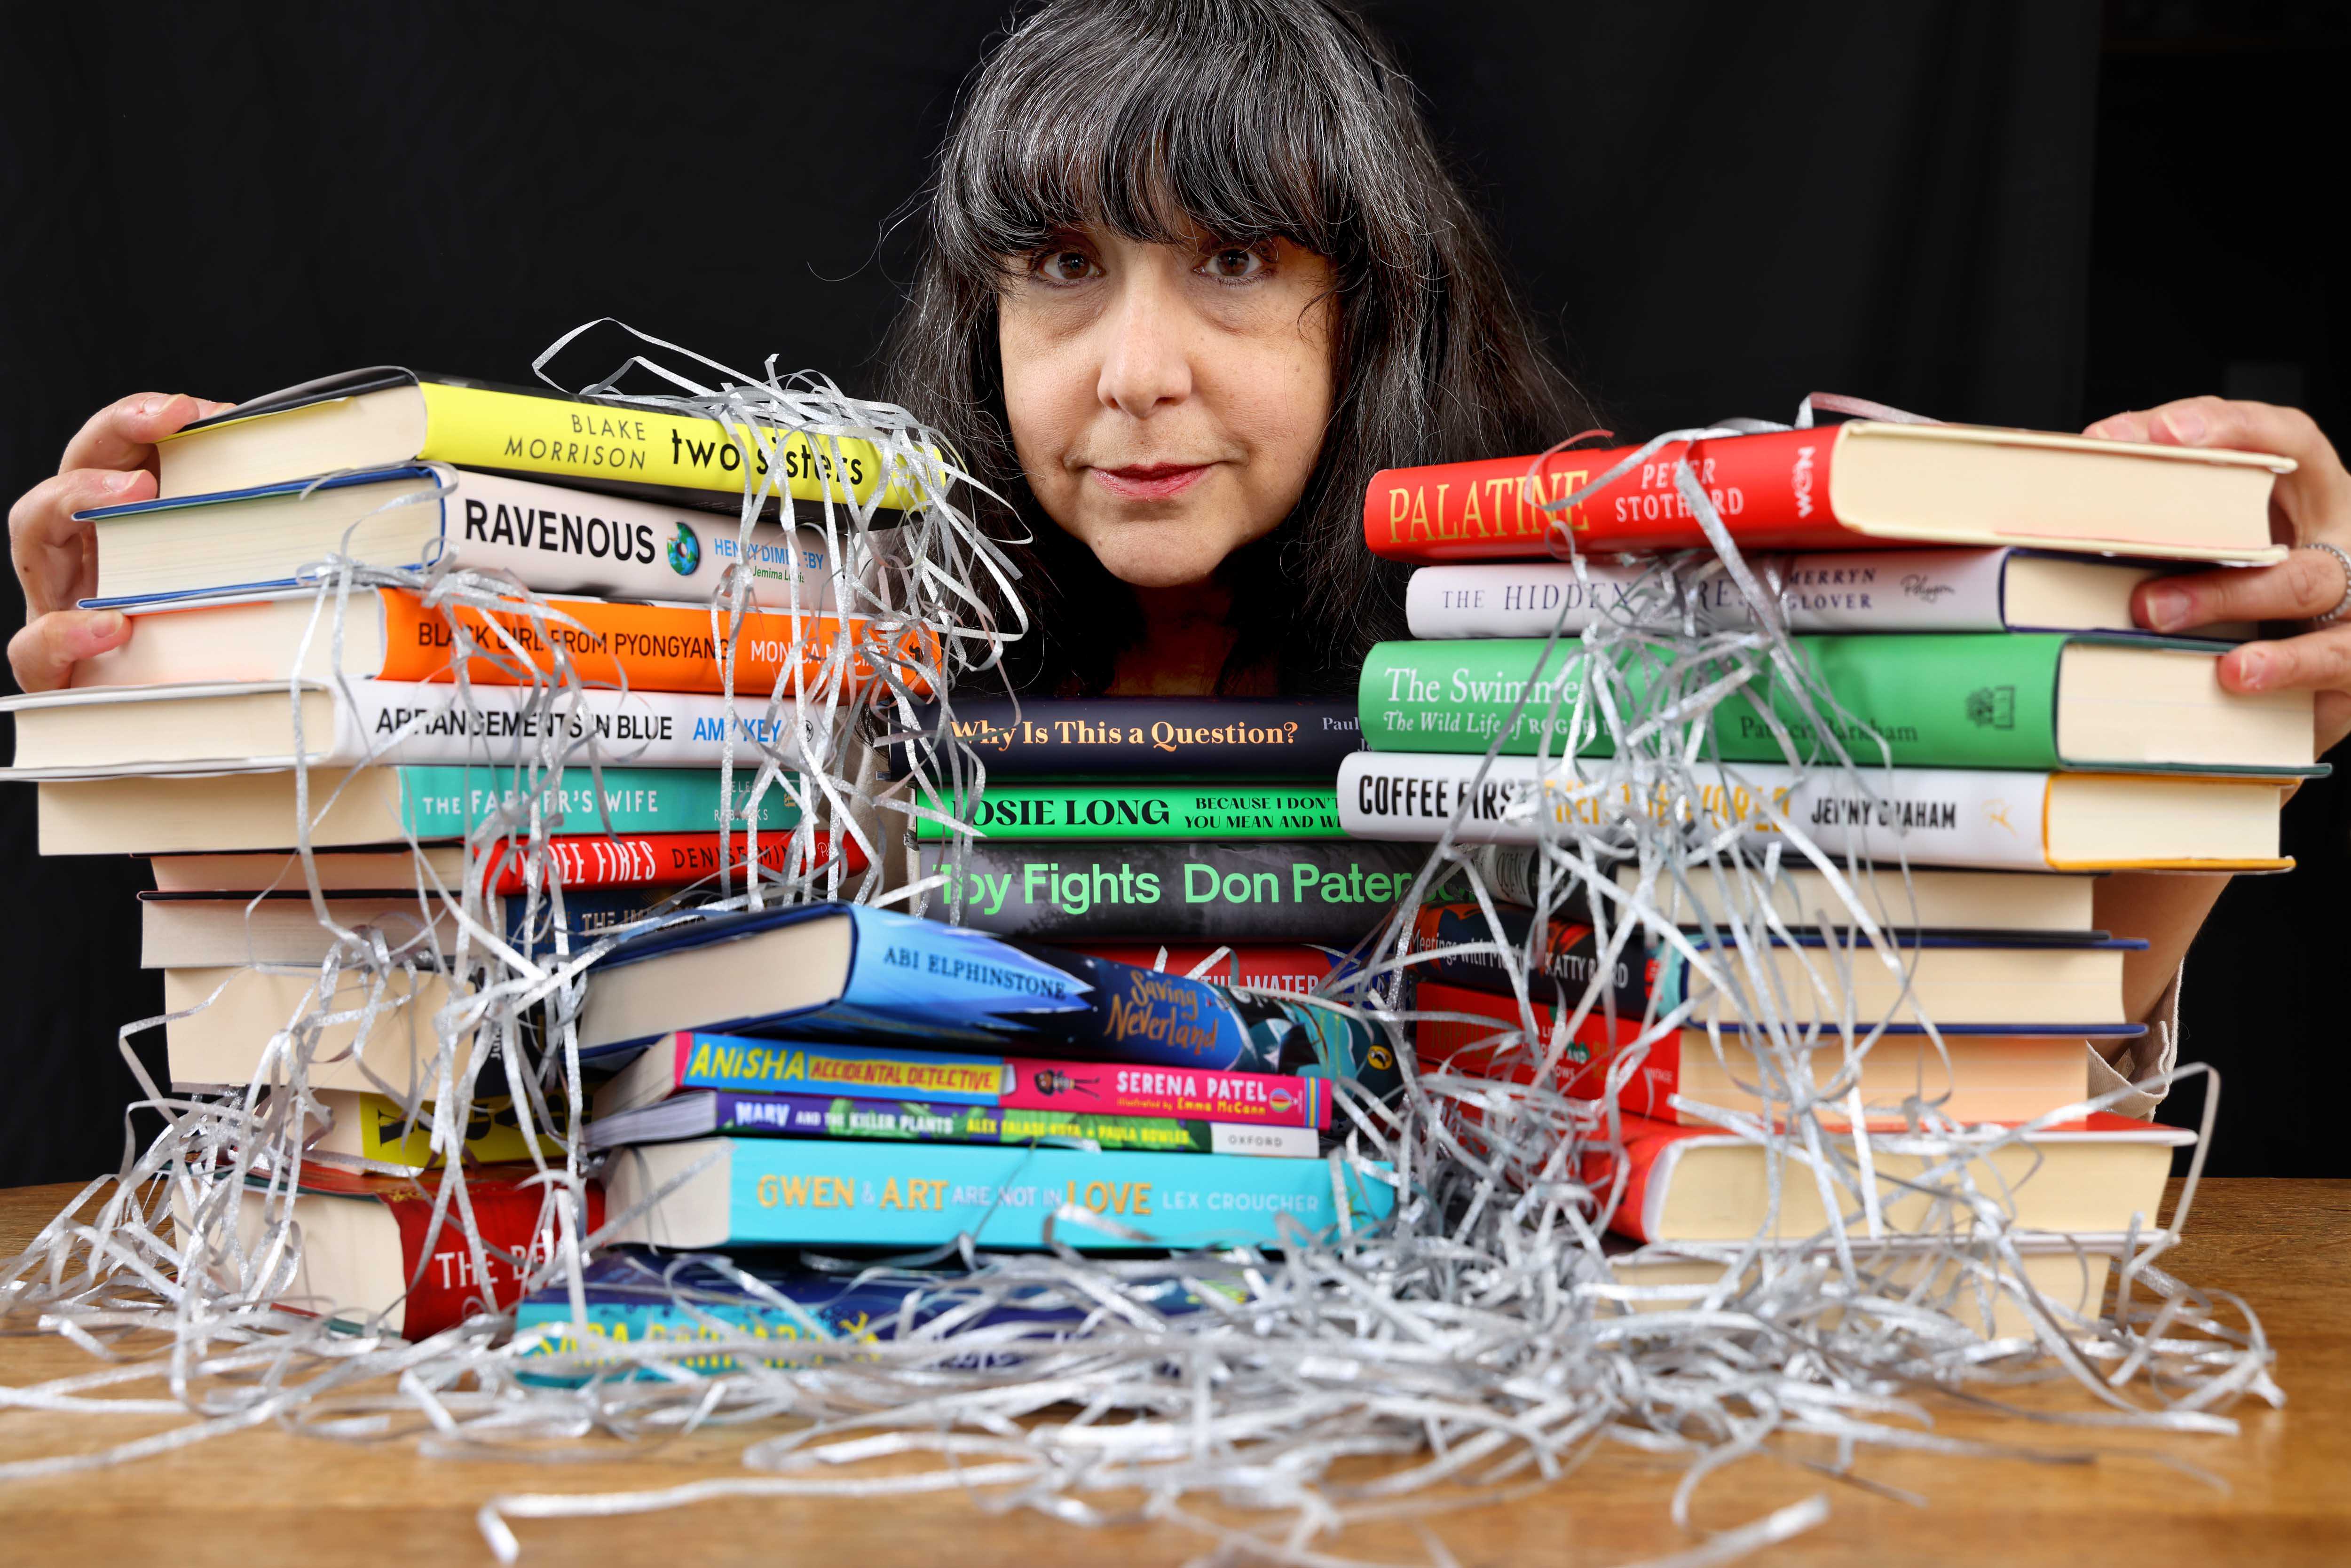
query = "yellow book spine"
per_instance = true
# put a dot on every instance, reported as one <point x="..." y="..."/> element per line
<point x="476" y="427"/>
<point x="491" y="1134"/>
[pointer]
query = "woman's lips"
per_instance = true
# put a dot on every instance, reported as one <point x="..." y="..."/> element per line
<point x="1149" y="482"/>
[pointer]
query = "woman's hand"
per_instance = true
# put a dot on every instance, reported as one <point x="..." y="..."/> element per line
<point x="111" y="462"/>
<point x="2310" y="506"/>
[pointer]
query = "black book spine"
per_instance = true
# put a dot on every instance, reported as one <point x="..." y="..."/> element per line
<point x="1153" y="738"/>
<point x="1331" y="893"/>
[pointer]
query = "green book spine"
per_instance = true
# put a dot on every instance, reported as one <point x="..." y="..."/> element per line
<point x="1939" y="701"/>
<point x="1109" y="810"/>
<point x="445" y="803"/>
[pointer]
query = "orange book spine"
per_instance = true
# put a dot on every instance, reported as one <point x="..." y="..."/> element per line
<point x="651" y="647"/>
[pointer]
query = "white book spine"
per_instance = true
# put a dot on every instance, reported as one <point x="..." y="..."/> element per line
<point x="556" y="541"/>
<point x="1934" y="816"/>
<point x="632" y="729"/>
<point x="1840" y="590"/>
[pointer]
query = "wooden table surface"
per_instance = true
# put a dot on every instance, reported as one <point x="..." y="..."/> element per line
<point x="268" y="1496"/>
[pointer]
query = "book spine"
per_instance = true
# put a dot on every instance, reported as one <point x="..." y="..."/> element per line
<point x="1154" y="738"/>
<point x="1936" y="701"/>
<point x="448" y="1288"/>
<point x="634" y="728"/>
<point x="914" y="1121"/>
<point x="1333" y="894"/>
<point x="1045" y="811"/>
<point x="446" y="803"/>
<point x="798" y="1193"/>
<point x="666" y="859"/>
<point x="493" y="1131"/>
<point x="482" y="427"/>
<point x="1272" y="966"/>
<point x="1771" y="491"/>
<point x="1934" y="816"/>
<point x="649" y="647"/>
<point x="608" y="1322"/>
<point x="588" y="916"/>
<point x="1838" y="591"/>
<point x="556" y="541"/>
<point x="999" y="1082"/>
<point x="1569" y="962"/>
<point x="1489" y="1043"/>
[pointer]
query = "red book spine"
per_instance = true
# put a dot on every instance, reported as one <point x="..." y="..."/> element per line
<point x="1451" y="1045"/>
<point x="1276" y="965"/>
<point x="1773" y="491"/>
<point x="450" y="1289"/>
<point x="661" y="859"/>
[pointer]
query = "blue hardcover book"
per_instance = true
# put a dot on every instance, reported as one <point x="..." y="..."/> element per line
<point x="789" y="1192"/>
<point x="838" y="971"/>
<point x="633" y="1298"/>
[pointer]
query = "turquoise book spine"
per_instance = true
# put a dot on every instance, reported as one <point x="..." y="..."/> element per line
<point x="799" y="1192"/>
<point x="446" y="803"/>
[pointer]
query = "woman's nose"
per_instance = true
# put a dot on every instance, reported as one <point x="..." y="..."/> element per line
<point x="1145" y="363"/>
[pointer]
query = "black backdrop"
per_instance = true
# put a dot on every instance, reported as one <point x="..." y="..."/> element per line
<point x="1976" y="210"/>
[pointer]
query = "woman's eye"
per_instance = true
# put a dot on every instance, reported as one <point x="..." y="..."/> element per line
<point x="1065" y="266"/>
<point x="1234" y="262"/>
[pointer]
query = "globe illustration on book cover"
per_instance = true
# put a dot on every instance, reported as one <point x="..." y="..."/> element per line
<point x="685" y="552"/>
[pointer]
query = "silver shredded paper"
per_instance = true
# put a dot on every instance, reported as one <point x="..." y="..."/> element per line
<point x="1481" y="1342"/>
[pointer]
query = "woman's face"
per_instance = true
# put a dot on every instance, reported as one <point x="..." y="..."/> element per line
<point x="1168" y="400"/>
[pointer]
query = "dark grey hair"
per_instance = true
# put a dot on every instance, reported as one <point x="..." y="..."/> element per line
<point x="1250" y="120"/>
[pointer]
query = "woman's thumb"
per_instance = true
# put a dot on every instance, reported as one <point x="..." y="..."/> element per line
<point x="43" y="654"/>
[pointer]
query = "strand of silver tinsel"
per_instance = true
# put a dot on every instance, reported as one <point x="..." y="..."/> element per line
<point x="1484" y="1339"/>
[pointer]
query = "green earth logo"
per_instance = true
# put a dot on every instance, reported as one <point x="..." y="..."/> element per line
<point x="685" y="552"/>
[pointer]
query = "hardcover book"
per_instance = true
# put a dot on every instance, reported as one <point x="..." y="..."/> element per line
<point x="549" y="540"/>
<point x="2022" y="701"/>
<point x="839" y="971"/>
<point x="799" y="1192"/>
<point x="1031" y="813"/>
<point x="387" y="416"/>
<point x="1299" y="890"/>
<point x="248" y="812"/>
<point x="1848" y="487"/>
<point x="1690" y="1184"/>
<point x="1967" y="1077"/>
<point x="1919" y="816"/>
<point x="1919" y="899"/>
<point x="1150" y="738"/>
<point x="365" y="1245"/>
<point x="390" y="634"/>
<point x="2009" y="987"/>
<point x="251" y="727"/>
<point x="1835" y="590"/>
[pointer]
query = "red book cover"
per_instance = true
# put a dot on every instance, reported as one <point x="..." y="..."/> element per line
<point x="1466" y="1048"/>
<point x="1770" y="489"/>
<point x="1275" y="966"/>
<point x="505" y="1210"/>
<point x="663" y="860"/>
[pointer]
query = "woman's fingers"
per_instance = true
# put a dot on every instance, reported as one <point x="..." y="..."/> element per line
<point x="51" y="551"/>
<point x="123" y="433"/>
<point x="2313" y="501"/>
<point x="45" y="650"/>
<point x="2307" y="583"/>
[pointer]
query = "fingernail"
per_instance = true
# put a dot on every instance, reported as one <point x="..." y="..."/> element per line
<point x="105" y="625"/>
<point x="2252" y="666"/>
<point x="153" y="402"/>
<point x="2167" y="608"/>
<point x="2187" y="424"/>
<point x="118" y="483"/>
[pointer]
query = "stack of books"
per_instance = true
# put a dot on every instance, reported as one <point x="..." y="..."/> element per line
<point x="821" y="1076"/>
<point x="1166" y="831"/>
<point x="1963" y="596"/>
